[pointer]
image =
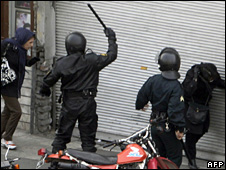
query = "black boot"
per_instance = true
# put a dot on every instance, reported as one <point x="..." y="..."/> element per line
<point x="55" y="150"/>
<point x="53" y="165"/>
<point x="193" y="166"/>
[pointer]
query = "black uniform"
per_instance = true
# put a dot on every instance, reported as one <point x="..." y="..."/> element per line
<point x="196" y="88"/>
<point x="166" y="96"/>
<point x="79" y="77"/>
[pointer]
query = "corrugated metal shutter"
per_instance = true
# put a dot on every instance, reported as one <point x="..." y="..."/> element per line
<point x="195" y="28"/>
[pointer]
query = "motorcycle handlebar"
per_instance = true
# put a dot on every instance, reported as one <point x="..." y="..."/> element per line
<point x="110" y="144"/>
<point x="133" y="137"/>
<point x="137" y="134"/>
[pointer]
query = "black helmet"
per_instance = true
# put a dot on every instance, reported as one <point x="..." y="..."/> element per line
<point x="75" y="42"/>
<point x="169" y="62"/>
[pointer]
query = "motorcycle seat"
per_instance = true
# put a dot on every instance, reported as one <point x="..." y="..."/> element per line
<point x="93" y="158"/>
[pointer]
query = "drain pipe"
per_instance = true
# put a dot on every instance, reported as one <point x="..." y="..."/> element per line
<point x="54" y="101"/>
<point x="34" y="74"/>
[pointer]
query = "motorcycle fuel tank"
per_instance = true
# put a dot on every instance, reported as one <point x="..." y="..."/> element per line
<point x="132" y="153"/>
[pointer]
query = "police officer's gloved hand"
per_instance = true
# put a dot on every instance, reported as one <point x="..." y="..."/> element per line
<point x="110" y="34"/>
<point x="45" y="91"/>
<point x="33" y="61"/>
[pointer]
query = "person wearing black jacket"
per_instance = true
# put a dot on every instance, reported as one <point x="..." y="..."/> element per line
<point x="198" y="85"/>
<point x="165" y="93"/>
<point x="15" y="51"/>
<point x="79" y="73"/>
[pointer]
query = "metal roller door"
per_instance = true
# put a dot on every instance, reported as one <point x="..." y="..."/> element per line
<point x="195" y="28"/>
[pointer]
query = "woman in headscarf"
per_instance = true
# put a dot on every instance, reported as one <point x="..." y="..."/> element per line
<point x="198" y="85"/>
<point x="15" y="50"/>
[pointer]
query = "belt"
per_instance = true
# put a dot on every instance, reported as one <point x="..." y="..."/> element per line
<point x="158" y="114"/>
<point x="160" y="120"/>
<point x="84" y="93"/>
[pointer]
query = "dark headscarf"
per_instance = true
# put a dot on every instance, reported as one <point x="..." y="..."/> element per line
<point x="21" y="37"/>
<point x="209" y="71"/>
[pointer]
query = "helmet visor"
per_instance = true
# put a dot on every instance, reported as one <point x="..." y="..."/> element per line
<point x="172" y="75"/>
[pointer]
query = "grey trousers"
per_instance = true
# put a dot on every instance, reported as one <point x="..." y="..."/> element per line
<point x="10" y="117"/>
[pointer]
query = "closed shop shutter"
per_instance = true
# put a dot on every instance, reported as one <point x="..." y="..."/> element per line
<point x="195" y="28"/>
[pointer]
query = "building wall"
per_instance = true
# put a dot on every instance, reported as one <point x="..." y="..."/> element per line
<point x="45" y="50"/>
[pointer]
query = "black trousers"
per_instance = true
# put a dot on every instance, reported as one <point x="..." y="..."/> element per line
<point x="73" y="109"/>
<point x="190" y="142"/>
<point x="168" y="145"/>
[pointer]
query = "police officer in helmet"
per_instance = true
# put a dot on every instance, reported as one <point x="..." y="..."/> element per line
<point x="79" y="73"/>
<point x="165" y="94"/>
<point x="169" y="63"/>
<point x="74" y="43"/>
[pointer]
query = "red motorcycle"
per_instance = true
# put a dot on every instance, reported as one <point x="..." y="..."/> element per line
<point x="9" y="163"/>
<point x="138" y="152"/>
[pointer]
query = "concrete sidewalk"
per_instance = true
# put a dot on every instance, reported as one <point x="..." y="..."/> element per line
<point x="29" y="144"/>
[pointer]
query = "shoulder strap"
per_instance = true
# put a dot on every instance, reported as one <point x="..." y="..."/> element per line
<point x="6" y="49"/>
<point x="207" y="84"/>
<point x="208" y="87"/>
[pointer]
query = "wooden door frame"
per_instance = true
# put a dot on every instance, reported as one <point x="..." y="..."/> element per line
<point x="4" y="19"/>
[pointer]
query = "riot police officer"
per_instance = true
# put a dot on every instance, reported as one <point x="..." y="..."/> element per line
<point x="165" y="94"/>
<point x="79" y="73"/>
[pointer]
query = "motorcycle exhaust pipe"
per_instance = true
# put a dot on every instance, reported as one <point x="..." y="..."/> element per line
<point x="64" y="165"/>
